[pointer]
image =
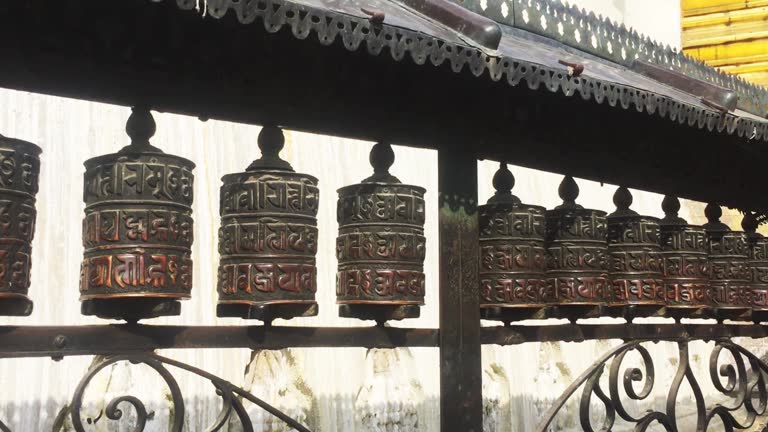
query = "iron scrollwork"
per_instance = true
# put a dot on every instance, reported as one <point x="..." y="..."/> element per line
<point x="229" y="393"/>
<point x="742" y="381"/>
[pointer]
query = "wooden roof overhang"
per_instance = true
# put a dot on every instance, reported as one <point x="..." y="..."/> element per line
<point x="381" y="70"/>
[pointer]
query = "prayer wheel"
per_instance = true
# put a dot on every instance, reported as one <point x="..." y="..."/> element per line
<point x="577" y="276"/>
<point x="137" y="230"/>
<point x="757" y="264"/>
<point x="729" y="272"/>
<point x="635" y="259"/>
<point x="19" y="174"/>
<point x="512" y="254"/>
<point x="381" y="245"/>
<point x="268" y="238"/>
<point x="686" y="263"/>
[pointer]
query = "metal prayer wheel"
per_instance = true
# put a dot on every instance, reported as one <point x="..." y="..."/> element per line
<point x="757" y="265"/>
<point x="512" y="254"/>
<point x="729" y="272"/>
<point x="19" y="174"/>
<point x="577" y="276"/>
<point x="686" y="262"/>
<point x="268" y="238"/>
<point x="137" y="230"/>
<point x="381" y="245"/>
<point x="635" y="261"/>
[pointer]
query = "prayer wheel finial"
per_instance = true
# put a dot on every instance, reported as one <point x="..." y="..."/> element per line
<point x="382" y="157"/>
<point x="671" y="207"/>
<point x="503" y="182"/>
<point x="140" y="127"/>
<point x="623" y="200"/>
<point x="271" y="142"/>
<point x="749" y="223"/>
<point x="713" y="212"/>
<point x="568" y="191"/>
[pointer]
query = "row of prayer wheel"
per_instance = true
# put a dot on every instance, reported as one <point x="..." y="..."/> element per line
<point x="569" y="262"/>
<point x="572" y="262"/>
<point x="138" y="234"/>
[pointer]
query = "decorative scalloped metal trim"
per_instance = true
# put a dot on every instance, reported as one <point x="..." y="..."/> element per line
<point x="352" y="31"/>
<point x="604" y="38"/>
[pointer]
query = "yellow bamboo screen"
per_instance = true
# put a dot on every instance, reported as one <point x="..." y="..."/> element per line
<point x="728" y="34"/>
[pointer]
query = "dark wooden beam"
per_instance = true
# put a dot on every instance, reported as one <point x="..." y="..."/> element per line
<point x="62" y="341"/>
<point x="140" y="52"/>
<point x="461" y="400"/>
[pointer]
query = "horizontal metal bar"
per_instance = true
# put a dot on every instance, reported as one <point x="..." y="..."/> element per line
<point x="39" y="341"/>
<point x="62" y="341"/>
<point x="519" y="334"/>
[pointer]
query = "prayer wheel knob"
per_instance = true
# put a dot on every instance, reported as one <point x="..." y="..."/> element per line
<point x="382" y="157"/>
<point x="503" y="182"/>
<point x="140" y="126"/>
<point x="749" y="223"/>
<point x="671" y="207"/>
<point x="271" y="142"/>
<point x="623" y="200"/>
<point x="713" y="212"/>
<point x="568" y="192"/>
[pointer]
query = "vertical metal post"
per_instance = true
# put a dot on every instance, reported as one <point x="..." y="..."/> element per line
<point x="460" y="365"/>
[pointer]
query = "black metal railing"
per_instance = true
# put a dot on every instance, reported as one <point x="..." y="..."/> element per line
<point x="742" y="381"/>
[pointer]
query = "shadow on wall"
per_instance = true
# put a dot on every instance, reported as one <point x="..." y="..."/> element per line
<point x="620" y="5"/>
